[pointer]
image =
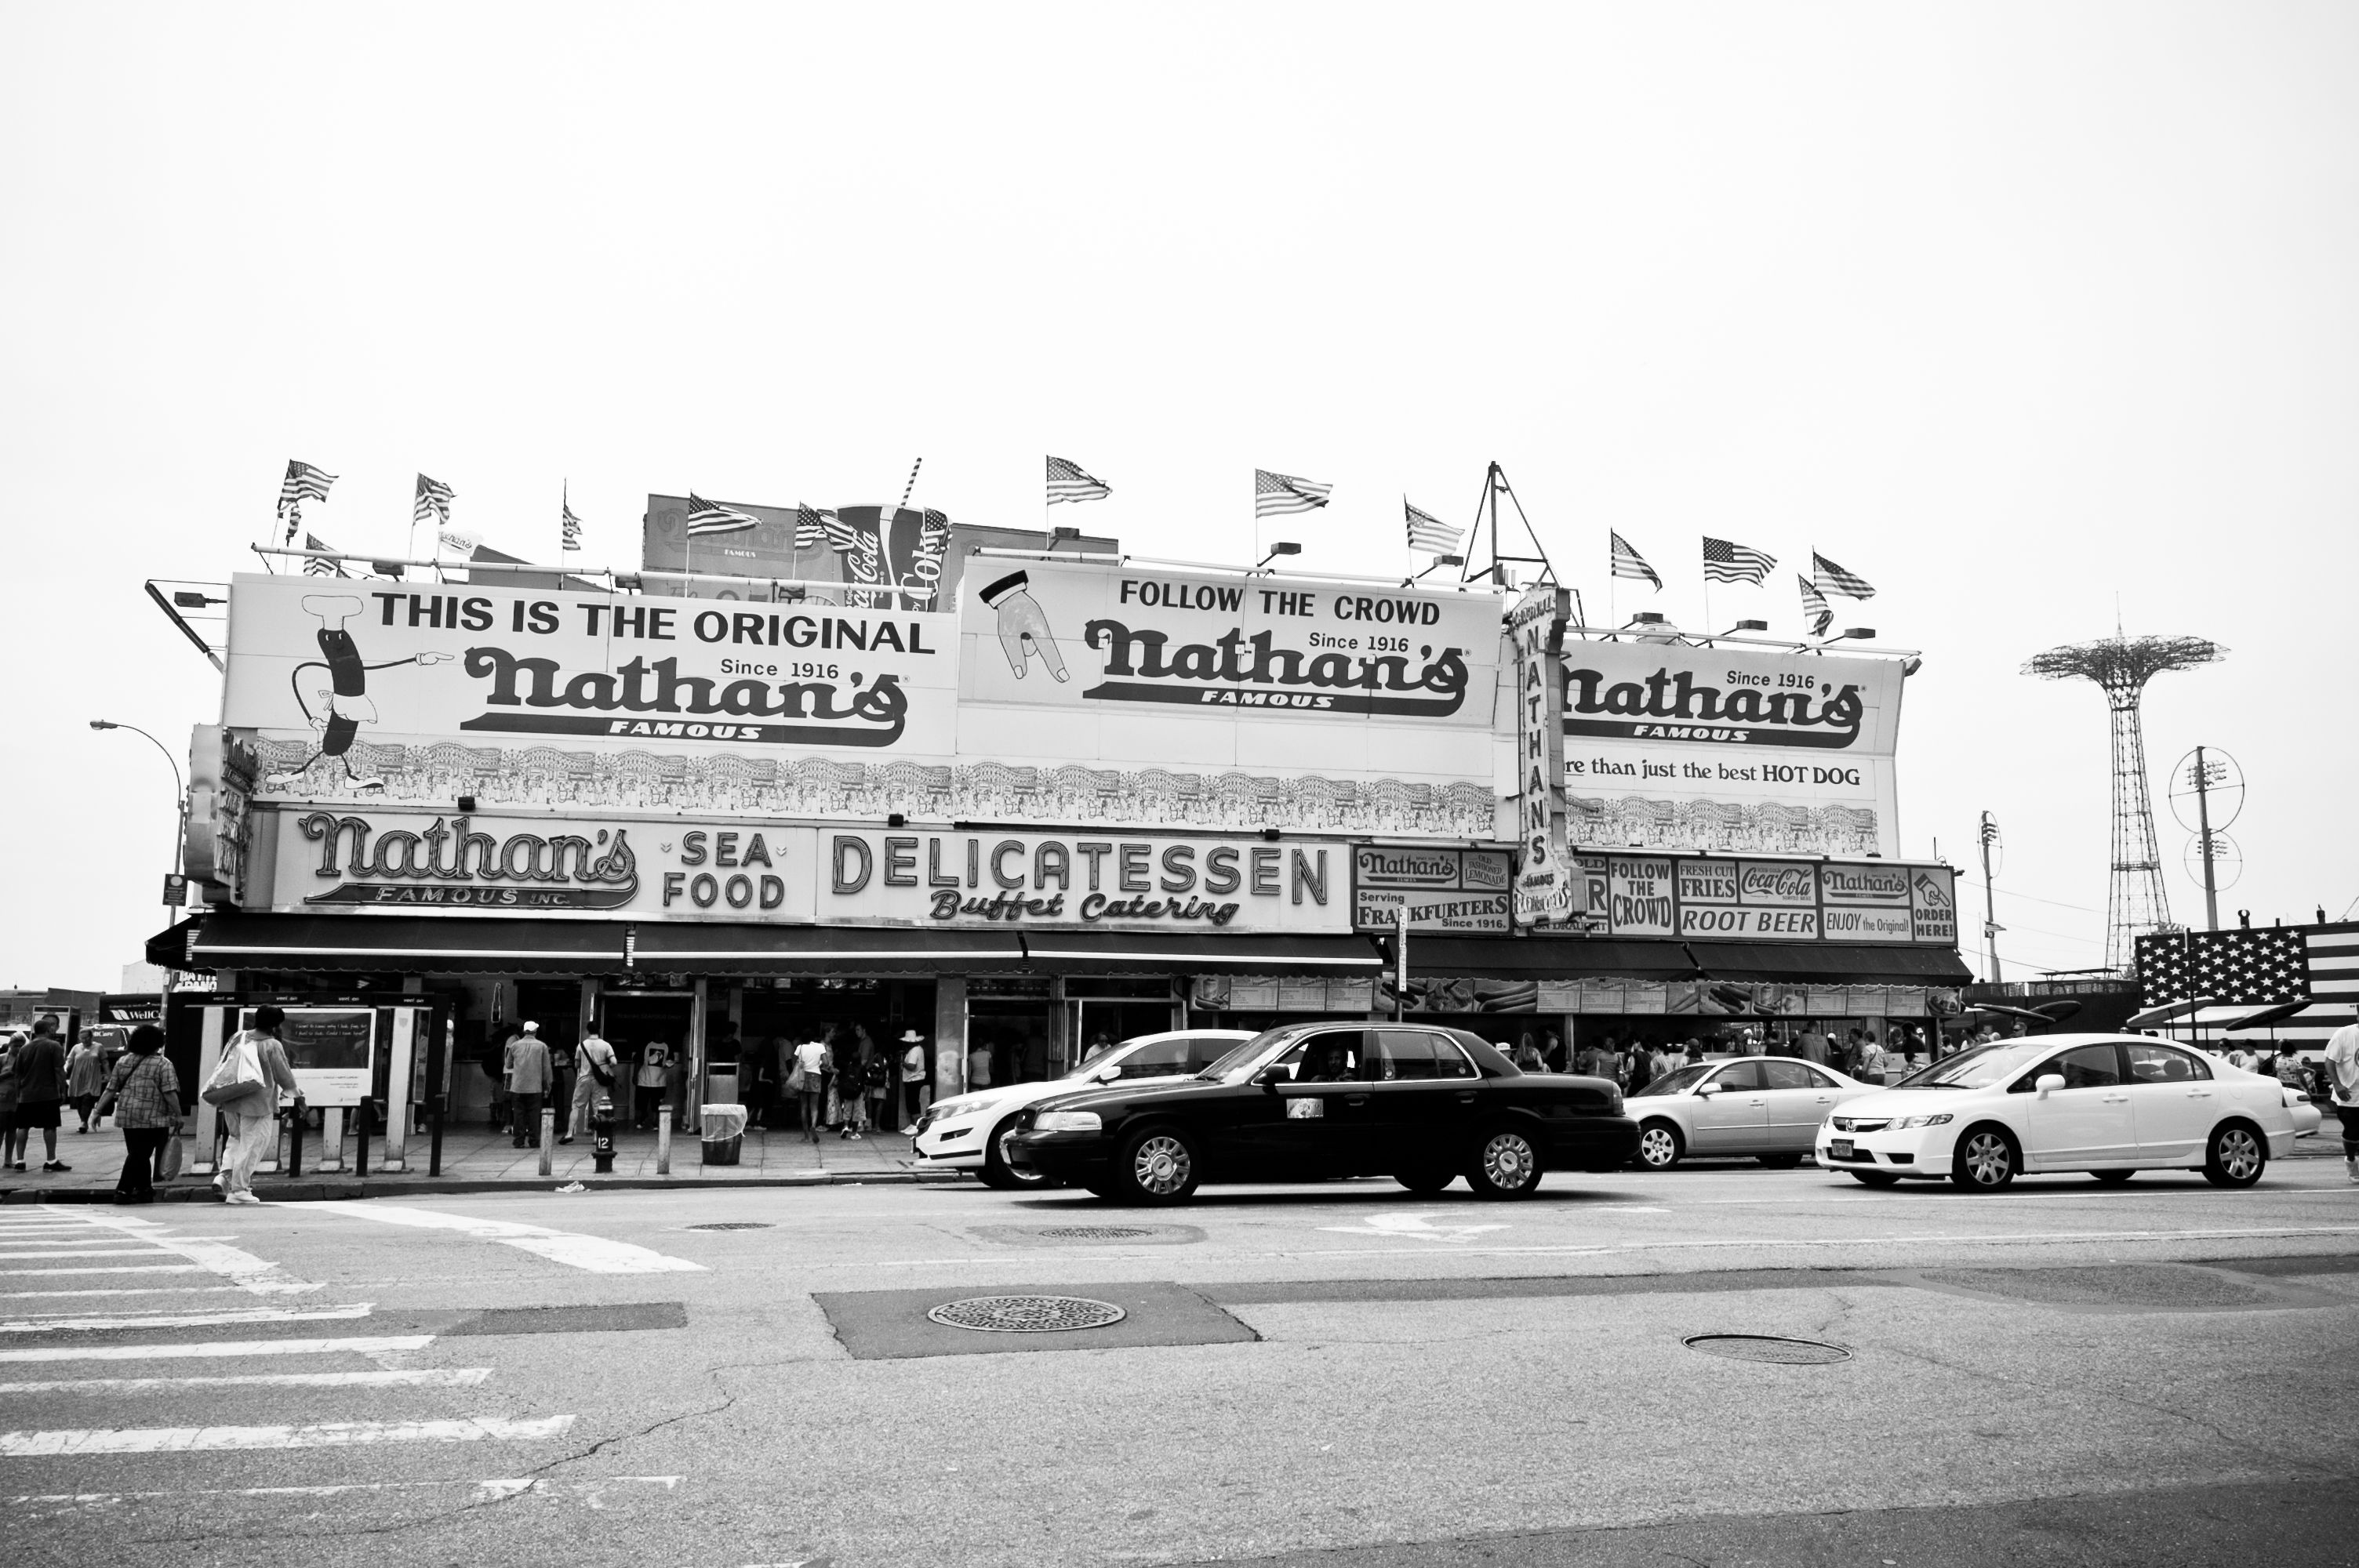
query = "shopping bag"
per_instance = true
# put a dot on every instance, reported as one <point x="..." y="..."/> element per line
<point x="236" y="1083"/>
<point x="172" y="1160"/>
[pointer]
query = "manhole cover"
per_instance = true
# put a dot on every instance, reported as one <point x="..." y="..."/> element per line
<point x="1098" y="1232"/>
<point x="1026" y="1314"/>
<point x="1768" y="1348"/>
<point x="736" y="1225"/>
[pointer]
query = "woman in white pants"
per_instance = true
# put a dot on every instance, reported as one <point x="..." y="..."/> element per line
<point x="253" y="1122"/>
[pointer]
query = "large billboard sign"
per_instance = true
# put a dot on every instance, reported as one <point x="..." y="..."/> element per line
<point x="370" y="661"/>
<point x="383" y="693"/>
<point x="1443" y="889"/>
<point x="1673" y="747"/>
<point x="1749" y="900"/>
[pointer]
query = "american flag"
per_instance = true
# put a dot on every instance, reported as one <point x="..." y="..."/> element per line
<point x="2257" y="968"/>
<point x="1815" y="608"/>
<point x="567" y="521"/>
<point x="1726" y="562"/>
<point x="303" y="482"/>
<point x="712" y="517"/>
<point x="433" y="500"/>
<point x="1428" y="533"/>
<point x="1068" y="482"/>
<point x="1278" y="493"/>
<point x="810" y="526"/>
<point x="842" y="535"/>
<point x="1851" y="585"/>
<point x="1628" y="563"/>
<point x="314" y="567"/>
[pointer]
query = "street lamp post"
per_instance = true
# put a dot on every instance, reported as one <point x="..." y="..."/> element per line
<point x="178" y="884"/>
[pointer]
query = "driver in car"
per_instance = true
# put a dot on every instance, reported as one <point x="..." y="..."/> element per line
<point x="1329" y="1064"/>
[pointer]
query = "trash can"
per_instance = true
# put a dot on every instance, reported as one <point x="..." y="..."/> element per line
<point x="725" y="1132"/>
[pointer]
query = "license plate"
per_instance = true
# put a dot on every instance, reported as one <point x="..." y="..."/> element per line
<point x="1841" y="1148"/>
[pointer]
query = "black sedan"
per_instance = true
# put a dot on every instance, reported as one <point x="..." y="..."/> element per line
<point x="1422" y="1105"/>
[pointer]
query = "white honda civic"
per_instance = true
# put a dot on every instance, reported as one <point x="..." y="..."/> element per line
<point x="2109" y="1105"/>
<point x="964" y="1132"/>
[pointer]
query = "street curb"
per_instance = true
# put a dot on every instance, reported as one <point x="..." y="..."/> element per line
<point x="445" y="1186"/>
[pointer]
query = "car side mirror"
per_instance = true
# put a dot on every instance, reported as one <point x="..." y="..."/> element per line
<point x="2047" y="1083"/>
<point x="1107" y="1075"/>
<point x="1707" y="1089"/>
<point x="1270" y="1078"/>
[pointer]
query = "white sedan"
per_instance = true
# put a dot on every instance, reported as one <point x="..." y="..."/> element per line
<point x="964" y="1132"/>
<point x="2109" y="1105"/>
<point x="1766" y="1107"/>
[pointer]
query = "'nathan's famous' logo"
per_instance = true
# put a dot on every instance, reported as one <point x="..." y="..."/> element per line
<point x="820" y="712"/>
<point x="1666" y="707"/>
<point x="453" y="866"/>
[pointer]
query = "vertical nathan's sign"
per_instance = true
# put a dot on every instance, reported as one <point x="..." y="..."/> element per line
<point x="1545" y="889"/>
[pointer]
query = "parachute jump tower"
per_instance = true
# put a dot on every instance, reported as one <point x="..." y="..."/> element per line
<point x="2136" y="902"/>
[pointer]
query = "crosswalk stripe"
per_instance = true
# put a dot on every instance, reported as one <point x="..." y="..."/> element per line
<point x="417" y="1378"/>
<point x="361" y="1344"/>
<point x="148" y="1291"/>
<point x="82" y="1441"/>
<point x="594" y="1254"/>
<point x="78" y="1251"/>
<point x="487" y="1491"/>
<point x="118" y="1268"/>
<point x="52" y="1322"/>
<point x="205" y="1252"/>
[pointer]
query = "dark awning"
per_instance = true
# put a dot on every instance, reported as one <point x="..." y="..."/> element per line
<point x="1572" y="959"/>
<point x="721" y="949"/>
<point x="1152" y="953"/>
<point x="402" y="943"/>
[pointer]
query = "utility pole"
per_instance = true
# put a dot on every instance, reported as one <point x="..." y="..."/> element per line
<point x="1988" y="835"/>
<point x="2203" y="845"/>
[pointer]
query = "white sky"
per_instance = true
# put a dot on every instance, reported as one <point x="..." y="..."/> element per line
<point x="2021" y="311"/>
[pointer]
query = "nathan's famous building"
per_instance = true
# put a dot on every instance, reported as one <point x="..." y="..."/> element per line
<point x="1015" y="799"/>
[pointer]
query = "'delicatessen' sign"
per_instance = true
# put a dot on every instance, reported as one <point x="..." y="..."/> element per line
<point x="1085" y="881"/>
<point x="1761" y="900"/>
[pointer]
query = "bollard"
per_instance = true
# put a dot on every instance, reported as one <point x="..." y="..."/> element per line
<point x="601" y="1135"/>
<point x="548" y="1139"/>
<point x="663" y="1141"/>
<point x="295" y="1141"/>
<point x="360" y="1138"/>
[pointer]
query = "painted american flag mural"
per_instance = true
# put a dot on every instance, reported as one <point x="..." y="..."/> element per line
<point x="2263" y="967"/>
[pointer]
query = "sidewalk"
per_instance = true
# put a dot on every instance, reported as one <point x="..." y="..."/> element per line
<point x="475" y="1160"/>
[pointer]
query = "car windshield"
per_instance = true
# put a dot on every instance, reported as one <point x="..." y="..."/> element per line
<point x="1234" y="1062"/>
<point x="1676" y="1083"/>
<point x="1975" y="1069"/>
<point x="1112" y="1056"/>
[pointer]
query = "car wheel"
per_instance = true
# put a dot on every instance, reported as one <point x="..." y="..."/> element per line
<point x="1985" y="1160"/>
<point x="2237" y="1157"/>
<point x="997" y="1173"/>
<point x="1659" y="1146"/>
<point x="1876" y="1178"/>
<point x="1428" y="1181"/>
<point x="1159" y="1165"/>
<point x="1506" y="1164"/>
<point x="1780" y="1162"/>
<point x="2113" y="1178"/>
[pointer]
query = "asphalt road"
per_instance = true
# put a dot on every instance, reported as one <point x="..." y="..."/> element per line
<point x="1343" y="1373"/>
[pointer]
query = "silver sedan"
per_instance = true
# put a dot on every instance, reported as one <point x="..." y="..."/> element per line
<point x="1766" y="1107"/>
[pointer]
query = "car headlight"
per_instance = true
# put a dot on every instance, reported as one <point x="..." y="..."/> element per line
<point x="1069" y="1122"/>
<point x="1613" y="1106"/>
<point x="1903" y="1122"/>
<point x="964" y="1104"/>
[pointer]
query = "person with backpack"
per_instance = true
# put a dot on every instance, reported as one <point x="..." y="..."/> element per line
<point x="245" y="1089"/>
<point x="594" y="1074"/>
<point x="144" y="1094"/>
<point x="851" y="1091"/>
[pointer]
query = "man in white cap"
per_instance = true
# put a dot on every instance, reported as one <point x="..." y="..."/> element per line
<point x="913" y="1079"/>
<point x="527" y="1075"/>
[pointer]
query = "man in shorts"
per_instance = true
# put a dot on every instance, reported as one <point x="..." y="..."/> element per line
<point x="40" y="1093"/>
<point x="2343" y="1068"/>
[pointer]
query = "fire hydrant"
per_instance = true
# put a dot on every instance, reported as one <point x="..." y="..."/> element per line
<point x="601" y="1135"/>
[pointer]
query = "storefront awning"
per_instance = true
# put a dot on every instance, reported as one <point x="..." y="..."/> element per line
<point x="2299" y="1014"/>
<point x="1121" y="952"/>
<point x="1572" y="959"/>
<point x="699" y="949"/>
<point x="396" y="944"/>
